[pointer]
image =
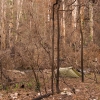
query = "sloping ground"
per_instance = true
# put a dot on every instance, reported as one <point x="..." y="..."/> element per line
<point x="86" y="91"/>
<point x="71" y="89"/>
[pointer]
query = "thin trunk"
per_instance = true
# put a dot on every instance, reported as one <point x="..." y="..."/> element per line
<point x="52" y="69"/>
<point x="82" y="53"/>
<point x="49" y="4"/>
<point x="81" y="17"/>
<point x="44" y="18"/>
<point x="36" y="80"/>
<point x="49" y="20"/>
<point x="58" y="51"/>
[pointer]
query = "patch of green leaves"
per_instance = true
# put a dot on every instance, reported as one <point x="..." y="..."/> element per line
<point x="29" y="85"/>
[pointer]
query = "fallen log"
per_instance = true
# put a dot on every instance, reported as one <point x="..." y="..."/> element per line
<point x="42" y="96"/>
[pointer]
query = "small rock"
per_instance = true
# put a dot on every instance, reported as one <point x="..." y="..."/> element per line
<point x="14" y="96"/>
<point x="39" y="94"/>
<point x="63" y="93"/>
<point x="77" y="90"/>
<point x="92" y="99"/>
<point x="66" y="93"/>
<point x="69" y="93"/>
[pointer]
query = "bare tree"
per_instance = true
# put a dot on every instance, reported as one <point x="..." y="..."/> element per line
<point x="91" y="19"/>
<point x="2" y="25"/>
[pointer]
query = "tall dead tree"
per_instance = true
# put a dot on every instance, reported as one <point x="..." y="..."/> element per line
<point x="11" y="23"/>
<point x="63" y="21"/>
<point x="74" y="13"/>
<point x="74" y="22"/>
<point x="2" y="25"/>
<point x="91" y="18"/>
<point x="19" y="4"/>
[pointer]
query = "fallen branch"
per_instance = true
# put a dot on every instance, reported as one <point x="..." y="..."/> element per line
<point x="42" y="96"/>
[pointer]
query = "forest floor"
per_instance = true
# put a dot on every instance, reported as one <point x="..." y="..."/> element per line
<point x="71" y="89"/>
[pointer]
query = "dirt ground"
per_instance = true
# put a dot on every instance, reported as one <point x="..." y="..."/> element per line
<point x="71" y="89"/>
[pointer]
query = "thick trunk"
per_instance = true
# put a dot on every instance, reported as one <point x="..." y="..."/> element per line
<point x="19" y="13"/>
<point x="63" y="22"/>
<point x="82" y="16"/>
<point x="74" y="22"/>
<point x="2" y="26"/>
<point x="91" y="19"/>
<point x="74" y="14"/>
<point x="11" y="22"/>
